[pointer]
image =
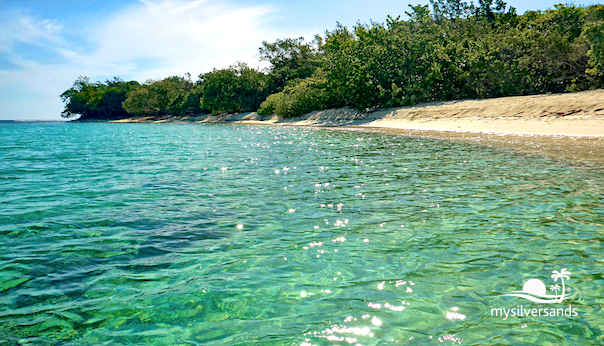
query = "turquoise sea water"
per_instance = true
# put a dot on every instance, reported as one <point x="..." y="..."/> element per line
<point x="125" y="234"/>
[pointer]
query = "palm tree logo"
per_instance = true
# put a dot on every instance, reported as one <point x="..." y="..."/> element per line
<point x="534" y="289"/>
<point x="555" y="288"/>
<point x="562" y="274"/>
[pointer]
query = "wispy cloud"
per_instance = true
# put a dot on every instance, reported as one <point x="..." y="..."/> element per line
<point x="148" y="39"/>
<point x="156" y="38"/>
<point x="19" y="27"/>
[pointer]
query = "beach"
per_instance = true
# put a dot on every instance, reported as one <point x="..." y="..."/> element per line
<point x="568" y="126"/>
<point x="571" y="114"/>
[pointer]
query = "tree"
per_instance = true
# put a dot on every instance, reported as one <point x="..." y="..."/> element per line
<point x="96" y="100"/>
<point x="168" y="96"/>
<point x="236" y="89"/>
<point x="303" y="97"/>
<point x="594" y="33"/>
<point x="549" y="46"/>
<point x="291" y="59"/>
<point x="76" y="98"/>
<point x="488" y="8"/>
<point x="450" y="9"/>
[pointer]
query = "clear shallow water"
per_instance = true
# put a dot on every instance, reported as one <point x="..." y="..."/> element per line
<point x="135" y="234"/>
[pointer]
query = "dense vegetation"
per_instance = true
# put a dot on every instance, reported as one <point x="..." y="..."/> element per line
<point x="453" y="50"/>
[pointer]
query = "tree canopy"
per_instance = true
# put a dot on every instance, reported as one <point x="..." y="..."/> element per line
<point x="96" y="100"/>
<point x="236" y="89"/>
<point x="171" y="96"/>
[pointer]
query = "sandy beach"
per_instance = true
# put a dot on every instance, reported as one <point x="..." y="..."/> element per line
<point x="572" y="114"/>
<point x="569" y="126"/>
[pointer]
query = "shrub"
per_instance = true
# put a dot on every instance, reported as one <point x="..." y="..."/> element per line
<point x="305" y="96"/>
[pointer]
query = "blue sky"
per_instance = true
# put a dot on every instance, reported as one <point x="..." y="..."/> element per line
<point x="46" y="45"/>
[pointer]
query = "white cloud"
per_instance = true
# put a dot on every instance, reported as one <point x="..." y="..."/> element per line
<point x="154" y="39"/>
<point x="149" y="39"/>
<point x="18" y="27"/>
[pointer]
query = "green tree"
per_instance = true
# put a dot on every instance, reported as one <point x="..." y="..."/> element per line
<point x="488" y="8"/>
<point x="594" y="33"/>
<point x="549" y="47"/>
<point x="96" y="100"/>
<point x="77" y="97"/>
<point x="291" y="59"/>
<point x="236" y="89"/>
<point x="450" y="9"/>
<point x="305" y="96"/>
<point x="165" y="97"/>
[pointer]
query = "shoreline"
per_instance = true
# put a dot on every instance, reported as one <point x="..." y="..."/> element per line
<point x="563" y="126"/>
<point x="571" y="114"/>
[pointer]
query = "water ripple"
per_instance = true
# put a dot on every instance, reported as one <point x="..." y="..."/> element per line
<point x="230" y="235"/>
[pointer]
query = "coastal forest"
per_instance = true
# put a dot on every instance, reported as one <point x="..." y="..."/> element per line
<point x="448" y="50"/>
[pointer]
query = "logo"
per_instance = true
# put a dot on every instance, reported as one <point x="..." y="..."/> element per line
<point x="535" y="290"/>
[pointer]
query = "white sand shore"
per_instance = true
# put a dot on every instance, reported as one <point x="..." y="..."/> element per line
<point x="568" y="126"/>
<point x="574" y="114"/>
